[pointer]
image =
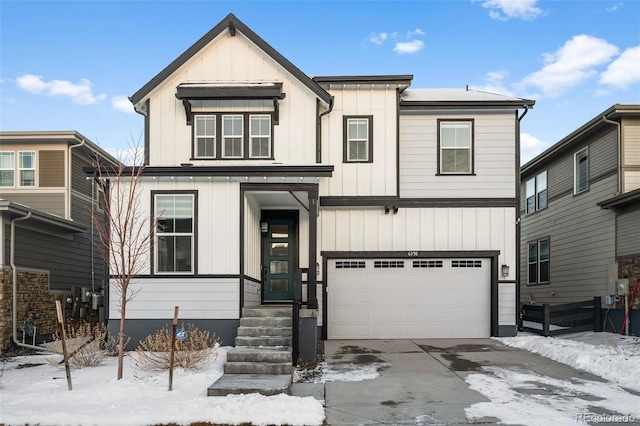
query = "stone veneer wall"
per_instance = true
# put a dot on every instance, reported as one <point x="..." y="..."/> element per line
<point x="34" y="301"/>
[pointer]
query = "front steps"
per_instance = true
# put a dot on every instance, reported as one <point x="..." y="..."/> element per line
<point x="261" y="362"/>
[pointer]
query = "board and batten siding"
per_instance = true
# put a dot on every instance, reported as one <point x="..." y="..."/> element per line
<point x="628" y="232"/>
<point x="171" y="138"/>
<point x="198" y="298"/>
<point x="422" y="229"/>
<point x="582" y="245"/>
<point x="494" y="156"/>
<point x="377" y="178"/>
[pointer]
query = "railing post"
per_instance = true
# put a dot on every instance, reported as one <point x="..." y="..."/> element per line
<point x="597" y="314"/>
<point x="546" y="319"/>
<point x="297" y="302"/>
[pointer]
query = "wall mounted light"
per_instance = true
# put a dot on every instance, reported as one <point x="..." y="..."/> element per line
<point x="395" y="209"/>
<point x="264" y="227"/>
<point x="387" y="209"/>
<point x="504" y="271"/>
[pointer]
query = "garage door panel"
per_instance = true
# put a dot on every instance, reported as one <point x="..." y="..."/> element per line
<point x="444" y="298"/>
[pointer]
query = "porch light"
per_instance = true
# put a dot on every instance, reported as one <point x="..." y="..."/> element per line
<point x="264" y="227"/>
<point x="504" y="271"/>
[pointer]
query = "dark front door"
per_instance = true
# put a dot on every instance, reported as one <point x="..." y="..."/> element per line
<point x="279" y="258"/>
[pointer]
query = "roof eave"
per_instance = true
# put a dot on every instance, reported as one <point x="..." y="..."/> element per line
<point x="436" y="105"/>
<point x="20" y="210"/>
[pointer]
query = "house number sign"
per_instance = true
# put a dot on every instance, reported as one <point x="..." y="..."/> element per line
<point x="413" y="253"/>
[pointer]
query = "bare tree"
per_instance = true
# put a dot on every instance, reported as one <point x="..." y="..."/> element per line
<point x="125" y="230"/>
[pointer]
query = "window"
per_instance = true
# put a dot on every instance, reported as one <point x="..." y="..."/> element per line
<point x="7" y="168"/>
<point x="581" y="171"/>
<point x="358" y="139"/>
<point x="260" y="136"/>
<point x="27" y="168"/>
<point x="455" y="144"/>
<point x="232" y="135"/>
<point x="536" y="189"/>
<point x="538" y="262"/>
<point x="174" y="242"/>
<point x="205" y="136"/>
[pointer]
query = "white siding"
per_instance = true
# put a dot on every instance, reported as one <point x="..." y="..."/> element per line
<point x="294" y="137"/>
<point x="494" y="157"/>
<point x="507" y="304"/>
<point x="252" y="239"/>
<point x="198" y="298"/>
<point x="361" y="179"/>
<point x="252" y="295"/>
<point x="422" y="229"/>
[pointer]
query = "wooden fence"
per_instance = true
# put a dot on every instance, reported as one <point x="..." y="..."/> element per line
<point x="552" y="320"/>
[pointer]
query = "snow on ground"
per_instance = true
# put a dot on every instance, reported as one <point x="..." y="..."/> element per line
<point x="39" y="395"/>
<point x="520" y="396"/>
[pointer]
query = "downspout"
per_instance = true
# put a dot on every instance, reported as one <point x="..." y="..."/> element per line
<point x="606" y="120"/>
<point x="70" y="174"/>
<point x="518" y="218"/>
<point x="15" y="284"/>
<point x="319" y="132"/>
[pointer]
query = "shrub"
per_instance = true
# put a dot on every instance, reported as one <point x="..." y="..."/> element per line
<point x="197" y="349"/>
<point x="87" y="345"/>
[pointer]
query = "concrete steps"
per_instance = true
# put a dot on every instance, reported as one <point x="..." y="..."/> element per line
<point x="261" y="362"/>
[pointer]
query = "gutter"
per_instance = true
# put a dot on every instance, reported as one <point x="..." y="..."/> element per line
<point x="319" y="132"/>
<point x="15" y="285"/>
<point x="606" y="120"/>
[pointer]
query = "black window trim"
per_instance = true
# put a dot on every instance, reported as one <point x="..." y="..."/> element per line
<point x="537" y="242"/>
<point x="584" y="150"/>
<point x="345" y="140"/>
<point x="473" y="146"/>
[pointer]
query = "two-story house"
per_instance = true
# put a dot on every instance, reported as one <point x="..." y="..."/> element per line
<point x="46" y="206"/>
<point x="581" y="214"/>
<point x="399" y="205"/>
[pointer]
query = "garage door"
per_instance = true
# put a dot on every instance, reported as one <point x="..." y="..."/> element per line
<point x="408" y="298"/>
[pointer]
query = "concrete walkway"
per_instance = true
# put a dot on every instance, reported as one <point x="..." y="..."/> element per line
<point x="423" y="381"/>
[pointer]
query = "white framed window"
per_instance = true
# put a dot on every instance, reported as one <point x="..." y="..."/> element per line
<point x="205" y="136"/>
<point x="27" y="168"/>
<point x="358" y="139"/>
<point x="581" y="171"/>
<point x="455" y="145"/>
<point x="232" y="136"/>
<point x="538" y="261"/>
<point x="7" y="168"/>
<point x="260" y="136"/>
<point x="536" y="191"/>
<point x="175" y="233"/>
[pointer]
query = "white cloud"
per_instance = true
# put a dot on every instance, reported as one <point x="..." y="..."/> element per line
<point x="409" y="47"/>
<point x="530" y="146"/>
<point x="494" y="83"/>
<point x="624" y="71"/>
<point x="79" y="93"/>
<point x="122" y="104"/>
<point x="415" y="32"/>
<point x="570" y="65"/>
<point x="504" y="10"/>
<point x="378" y="38"/>
<point x="614" y="7"/>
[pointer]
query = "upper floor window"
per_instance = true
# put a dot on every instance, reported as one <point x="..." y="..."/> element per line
<point x="581" y="171"/>
<point x="536" y="189"/>
<point x="7" y="168"/>
<point x="174" y="238"/>
<point x="358" y="139"/>
<point x="538" y="261"/>
<point x="232" y="136"/>
<point x="455" y="146"/>
<point x="27" y="168"/>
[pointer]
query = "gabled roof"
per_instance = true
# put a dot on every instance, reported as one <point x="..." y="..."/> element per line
<point x="459" y="98"/>
<point x="578" y="136"/>
<point x="231" y="24"/>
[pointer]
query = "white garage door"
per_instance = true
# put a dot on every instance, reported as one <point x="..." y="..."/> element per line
<point x="408" y="298"/>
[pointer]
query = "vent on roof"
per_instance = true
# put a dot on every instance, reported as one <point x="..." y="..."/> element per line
<point x="427" y="263"/>
<point x="388" y="264"/>
<point x="350" y="264"/>
<point x="466" y="263"/>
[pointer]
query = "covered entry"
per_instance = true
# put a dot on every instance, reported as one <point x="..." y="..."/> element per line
<point x="385" y="298"/>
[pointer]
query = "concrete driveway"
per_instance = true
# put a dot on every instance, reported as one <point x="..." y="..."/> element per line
<point x="423" y="381"/>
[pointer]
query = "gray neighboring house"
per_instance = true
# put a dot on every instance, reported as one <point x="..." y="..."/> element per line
<point x="46" y="195"/>
<point x="580" y="215"/>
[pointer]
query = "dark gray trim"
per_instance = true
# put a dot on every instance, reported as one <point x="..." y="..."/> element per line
<point x="197" y="91"/>
<point x="398" y="94"/>
<point x="313" y="170"/>
<point x="195" y="232"/>
<point x="537" y="242"/>
<point x="491" y="254"/>
<point x="383" y="201"/>
<point x="13" y="210"/>
<point x="241" y="248"/>
<point x="248" y="278"/>
<point x="507" y="330"/>
<point x="458" y="105"/>
<point x="294" y="215"/>
<point x="345" y="136"/>
<point x="622" y="200"/>
<point x="473" y="147"/>
<point x="312" y="278"/>
<point x="355" y="201"/>
<point x="147" y="127"/>
<point x="373" y="79"/>
<point x="229" y="21"/>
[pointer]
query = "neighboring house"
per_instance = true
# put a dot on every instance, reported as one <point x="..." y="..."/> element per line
<point x="580" y="209"/>
<point x="48" y="198"/>
<point x="399" y="205"/>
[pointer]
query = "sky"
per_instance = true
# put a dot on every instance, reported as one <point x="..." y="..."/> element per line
<point x="72" y="65"/>
<point x="141" y="397"/>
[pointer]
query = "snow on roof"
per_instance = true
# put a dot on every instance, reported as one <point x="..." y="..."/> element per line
<point x="453" y="95"/>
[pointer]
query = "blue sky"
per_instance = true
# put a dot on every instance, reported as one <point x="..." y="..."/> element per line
<point x="72" y="65"/>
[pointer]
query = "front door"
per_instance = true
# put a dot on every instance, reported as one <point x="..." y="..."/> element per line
<point x="279" y="258"/>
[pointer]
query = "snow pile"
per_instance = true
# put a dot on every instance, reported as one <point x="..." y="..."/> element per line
<point x="612" y="357"/>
